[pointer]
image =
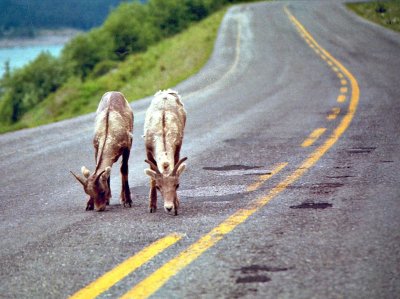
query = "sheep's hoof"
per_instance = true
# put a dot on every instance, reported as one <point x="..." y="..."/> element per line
<point x="89" y="206"/>
<point x="153" y="209"/>
<point x="128" y="204"/>
<point x="176" y="212"/>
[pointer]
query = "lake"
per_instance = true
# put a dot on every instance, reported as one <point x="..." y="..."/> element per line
<point x="19" y="56"/>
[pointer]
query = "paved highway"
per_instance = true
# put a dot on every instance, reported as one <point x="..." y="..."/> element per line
<point x="291" y="190"/>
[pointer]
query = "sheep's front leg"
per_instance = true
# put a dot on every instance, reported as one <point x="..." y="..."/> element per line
<point x="109" y="188"/>
<point x="90" y="204"/>
<point x="125" y="191"/>
<point x="176" y="206"/>
<point x="153" y="196"/>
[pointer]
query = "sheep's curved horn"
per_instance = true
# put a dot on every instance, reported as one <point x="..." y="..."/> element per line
<point x="155" y="168"/>
<point x="177" y="166"/>
<point x="80" y="180"/>
<point x="99" y="175"/>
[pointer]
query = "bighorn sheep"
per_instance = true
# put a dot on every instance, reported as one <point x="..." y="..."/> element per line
<point x="112" y="138"/>
<point x="163" y="133"/>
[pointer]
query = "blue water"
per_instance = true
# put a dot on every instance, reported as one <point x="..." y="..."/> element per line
<point x="19" y="56"/>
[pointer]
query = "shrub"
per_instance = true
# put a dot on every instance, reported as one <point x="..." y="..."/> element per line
<point x="103" y="68"/>
<point x="129" y="28"/>
<point x="86" y="50"/>
<point x="27" y="87"/>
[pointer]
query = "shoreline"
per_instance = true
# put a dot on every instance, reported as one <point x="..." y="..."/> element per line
<point x="43" y="38"/>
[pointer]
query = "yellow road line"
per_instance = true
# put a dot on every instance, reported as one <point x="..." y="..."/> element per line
<point x="154" y="281"/>
<point x="335" y="112"/>
<point x="110" y="278"/>
<point x="158" y="278"/>
<point x="263" y="178"/>
<point x="341" y="98"/>
<point x="343" y="89"/>
<point x="313" y="137"/>
<point x="104" y="283"/>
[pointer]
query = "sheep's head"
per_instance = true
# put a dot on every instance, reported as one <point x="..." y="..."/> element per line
<point x="167" y="184"/>
<point x="97" y="187"/>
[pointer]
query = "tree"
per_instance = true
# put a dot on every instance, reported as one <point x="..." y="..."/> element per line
<point x="86" y="50"/>
<point x="27" y="87"/>
<point x="169" y="16"/>
<point x="130" y="29"/>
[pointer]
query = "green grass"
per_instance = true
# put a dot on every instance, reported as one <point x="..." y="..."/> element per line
<point x="161" y="66"/>
<point x="385" y="13"/>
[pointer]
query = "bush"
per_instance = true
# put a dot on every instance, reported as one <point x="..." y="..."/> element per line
<point x="103" y="68"/>
<point x="169" y="16"/>
<point x="129" y="28"/>
<point x="27" y="87"/>
<point x="86" y="50"/>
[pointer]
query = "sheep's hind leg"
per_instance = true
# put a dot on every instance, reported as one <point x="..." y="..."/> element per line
<point x="153" y="196"/>
<point x="125" y="191"/>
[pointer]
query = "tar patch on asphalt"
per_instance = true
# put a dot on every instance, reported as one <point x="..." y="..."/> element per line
<point x="361" y="150"/>
<point x="256" y="273"/>
<point x="255" y="278"/>
<point x="312" y="205"/>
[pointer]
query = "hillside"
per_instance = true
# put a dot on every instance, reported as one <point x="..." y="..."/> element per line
<point x="139" y="49"/>
<point x="384" y="13"/>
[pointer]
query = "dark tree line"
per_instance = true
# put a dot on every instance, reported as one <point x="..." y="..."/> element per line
<point x="22" y="17"/>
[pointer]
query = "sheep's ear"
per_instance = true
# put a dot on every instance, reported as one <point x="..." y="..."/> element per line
<point x="181" y="169"/>
<point x="85" y="172"/>
<point x="150" y="173"/>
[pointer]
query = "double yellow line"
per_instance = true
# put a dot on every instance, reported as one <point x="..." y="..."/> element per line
<point x="157" y="279"/>
<point x="110" y="278"/>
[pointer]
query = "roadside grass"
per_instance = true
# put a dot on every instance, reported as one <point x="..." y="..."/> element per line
<point x="385" y="13"/>
<point x="161" y="66"/>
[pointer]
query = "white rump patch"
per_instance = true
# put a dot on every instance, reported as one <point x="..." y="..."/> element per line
<point x="169" y="94"/>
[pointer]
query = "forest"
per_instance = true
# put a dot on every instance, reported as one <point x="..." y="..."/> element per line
<point x="130" y="28"/>
<point x="22" y="18"/>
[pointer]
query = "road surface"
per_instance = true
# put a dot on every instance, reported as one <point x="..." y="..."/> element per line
<point x="291" y="190"/>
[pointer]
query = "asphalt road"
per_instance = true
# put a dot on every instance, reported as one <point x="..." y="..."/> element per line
<point x="291" y="190"/>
